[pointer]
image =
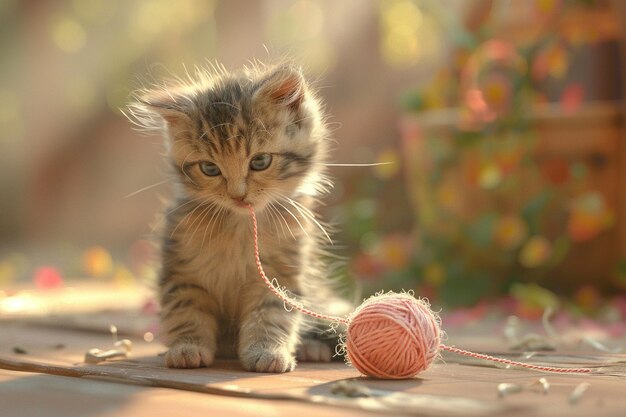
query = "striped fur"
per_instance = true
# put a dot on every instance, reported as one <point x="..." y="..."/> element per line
<point x="212" y="301"/>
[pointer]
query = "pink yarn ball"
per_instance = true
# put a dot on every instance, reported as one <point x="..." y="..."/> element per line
<point x="393" y="336"/>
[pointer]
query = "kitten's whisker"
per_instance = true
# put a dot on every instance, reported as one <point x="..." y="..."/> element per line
<point x="148" y="187"/>
<point x="163" y="218"/>
<point x="375" y="164"/>
<point x="307" y="213"/>
<point x="279" y="195"/>
<point x="185" y="218"/>
<point x="215" y="216"/>
<point x="193" y="200"/>
<point x="209" y="223"/>
<point x="294" y="217"/>
<point x="222" y="217"/>
<point x="200" y="218"/>
<point x="284" y="221"/>
<point x="268" y="216"/>
<point x="272" y="222"/>
<point x="275" y="214"/>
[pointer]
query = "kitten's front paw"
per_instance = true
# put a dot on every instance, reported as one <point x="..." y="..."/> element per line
<point x="265" y="360"/>
<point x="189" y="355"/>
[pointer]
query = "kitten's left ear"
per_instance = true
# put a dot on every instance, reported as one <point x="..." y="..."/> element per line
<point x="285" y="86"/>
<point x="152" y="106"/>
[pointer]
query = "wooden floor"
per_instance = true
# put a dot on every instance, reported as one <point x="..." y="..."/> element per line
<point x="42" y="373"/>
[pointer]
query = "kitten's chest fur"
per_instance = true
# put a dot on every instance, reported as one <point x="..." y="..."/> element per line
<point x="221" y="262"/>
<point x="218" y="255"/>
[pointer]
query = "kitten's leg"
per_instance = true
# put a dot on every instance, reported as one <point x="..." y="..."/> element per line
<point x="319" y="343"/>
<point x="189" y="326"/>
<point x="268" y="335"/>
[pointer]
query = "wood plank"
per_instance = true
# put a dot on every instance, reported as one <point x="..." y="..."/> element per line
<point x="446" y="389"/>
<point x="33" y="395"/>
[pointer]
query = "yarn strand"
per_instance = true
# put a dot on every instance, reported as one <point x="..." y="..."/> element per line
<point x="515" y="363"/>
<point x="280" y="293"/>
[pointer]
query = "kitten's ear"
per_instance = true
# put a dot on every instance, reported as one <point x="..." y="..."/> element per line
<point x="152" y="107"/>
<point x="285" y="86"/>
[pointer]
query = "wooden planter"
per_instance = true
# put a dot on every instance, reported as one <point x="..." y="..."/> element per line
<point x="592" y="136"/>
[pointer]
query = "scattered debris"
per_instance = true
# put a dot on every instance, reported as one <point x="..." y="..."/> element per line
<point x="541" y="385"/>
<point x="505" y="389"/>
<point x="551" y="340"/>
<point x="122" y="349"/>
<point x="511" y="329"/>
<point x="96" y="355"/>
<point x="113" y="330"/>
<point x="125" y="344"/>
<point x="534" y="342"/>
<point x="547" y="326"/>
<point x="350" y="389"/>
<point x="578" y="392"/>
<point x="19" y="350"/>
<point x="600" y="346"/>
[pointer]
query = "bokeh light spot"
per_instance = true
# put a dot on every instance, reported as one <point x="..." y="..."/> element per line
<point x="122" y="277"/>
<point x="97" y="261"/>
<point x="390" y="164"/>
<point x="535" y="252"/>
<point x="68" y="35"/>
<point x="510" y="231"/>
<point x="47" y="277"/>
<point x="407" y="33"/>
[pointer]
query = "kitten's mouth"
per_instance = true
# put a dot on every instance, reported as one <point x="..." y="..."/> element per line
<point x="241" y="203"/>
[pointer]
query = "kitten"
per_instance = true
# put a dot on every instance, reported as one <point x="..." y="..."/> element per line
<point x="255" y="137"/>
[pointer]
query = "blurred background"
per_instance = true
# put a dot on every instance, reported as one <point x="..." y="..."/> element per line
<point x="504" y="120"/>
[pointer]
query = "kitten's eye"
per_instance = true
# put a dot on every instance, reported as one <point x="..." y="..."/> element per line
<point x="261" y="162"/>
<point x="209" y="169"/>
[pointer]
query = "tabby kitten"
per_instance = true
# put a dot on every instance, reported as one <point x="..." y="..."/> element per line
<point x="255" y="137"/>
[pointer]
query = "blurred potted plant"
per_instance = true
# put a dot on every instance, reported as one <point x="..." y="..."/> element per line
<point x="512" y="167"/>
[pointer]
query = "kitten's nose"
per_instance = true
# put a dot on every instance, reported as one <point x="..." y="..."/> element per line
<point x="237" y="190"/>
<point x="239" y="201"/>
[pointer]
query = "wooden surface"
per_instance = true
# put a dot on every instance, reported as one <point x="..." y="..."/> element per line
<point x="140" y="385"/>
